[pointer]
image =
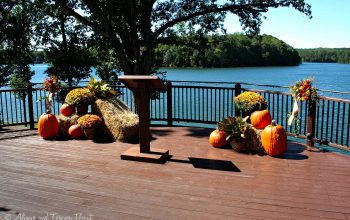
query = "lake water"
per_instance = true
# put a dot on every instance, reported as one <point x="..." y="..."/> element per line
<point x="328" y="76"/>
<point x="191" y="105"/>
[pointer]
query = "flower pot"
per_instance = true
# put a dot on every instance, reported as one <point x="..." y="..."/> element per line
<point x="81" y="110"/>
<point x="90" y="133"/>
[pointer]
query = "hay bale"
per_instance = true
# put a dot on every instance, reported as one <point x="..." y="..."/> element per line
<point x="251" y="143"/>
<point x="63" y="125"/>
<point x="253" y="140"/>
<point x="120" y="123"/>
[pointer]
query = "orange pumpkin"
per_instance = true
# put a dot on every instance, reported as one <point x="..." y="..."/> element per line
<point x="274" y="139"/>
<point x="76" y="132"/>
<point x="218" y="138"/>
<point x="260" y="119"/>
<point x="48" y="126"/>
<point x="67" y="110"/>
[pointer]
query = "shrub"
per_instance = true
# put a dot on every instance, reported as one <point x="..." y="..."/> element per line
<point x="89" y="121"/>
<point x="248" y="102"/>
<point x="79" y="97"/>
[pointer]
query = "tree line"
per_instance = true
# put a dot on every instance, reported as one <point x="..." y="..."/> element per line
<point x="233" y="50"/>
<point x="325" y="55"/>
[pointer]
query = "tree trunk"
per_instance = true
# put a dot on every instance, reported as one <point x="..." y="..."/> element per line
<point x="65" y="48"/>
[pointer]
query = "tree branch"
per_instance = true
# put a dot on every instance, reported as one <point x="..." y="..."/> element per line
<point x="119" y="49"/>
<point x="99" y="14"/>
<point x="248" y="7"/>
<point x="82" y="19"/>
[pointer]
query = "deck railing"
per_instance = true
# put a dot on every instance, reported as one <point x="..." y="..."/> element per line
<point x="197" y="103"/>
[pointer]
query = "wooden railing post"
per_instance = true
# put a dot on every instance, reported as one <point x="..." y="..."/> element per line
<point x="238" y="90"/>
<point x="24" y="108"/>
<point x="30" y="106"/>
<point x="311" y="116"/>
<point x="169" y="103"/>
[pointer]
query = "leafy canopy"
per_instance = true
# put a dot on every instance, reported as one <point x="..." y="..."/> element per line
<point x="16" y="17"/>
<point x="135" y="28"/>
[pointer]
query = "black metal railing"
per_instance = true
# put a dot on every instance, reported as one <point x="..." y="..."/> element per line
<point x="187" y="103"/>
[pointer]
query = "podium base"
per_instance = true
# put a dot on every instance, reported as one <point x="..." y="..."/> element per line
<point x="156" y="155"/>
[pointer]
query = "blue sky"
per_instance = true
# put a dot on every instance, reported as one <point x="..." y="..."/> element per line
<point x="329" y="27"/>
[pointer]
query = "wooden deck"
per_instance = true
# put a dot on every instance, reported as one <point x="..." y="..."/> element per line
<point x="85" y="179"/>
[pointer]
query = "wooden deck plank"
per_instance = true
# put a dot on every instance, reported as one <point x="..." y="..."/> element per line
<point x="38" y="176"/>
<point x="296" y="174"/>
<point x="261" y="182"/>
<point x="180" y="203"/>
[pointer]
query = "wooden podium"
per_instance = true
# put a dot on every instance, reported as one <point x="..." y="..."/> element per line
<point x="143" y="85"/>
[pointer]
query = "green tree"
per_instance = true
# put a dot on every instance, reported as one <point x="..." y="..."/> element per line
<point x="105" y="62"/>
<point x="329" y="55"/>
<point x="65" y="43"/>
<point x="135" y="28"/>
<point x="16" y="19"/>
<point x="38" y="57"/>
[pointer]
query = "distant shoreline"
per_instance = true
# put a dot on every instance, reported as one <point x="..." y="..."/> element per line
<point x="325" y="55"/>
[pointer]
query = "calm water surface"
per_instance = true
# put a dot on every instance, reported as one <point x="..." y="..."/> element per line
<point x="328" y="76"/>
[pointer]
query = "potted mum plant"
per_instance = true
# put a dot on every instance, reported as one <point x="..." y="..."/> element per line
<point x="79" y="98"/>
<point x="249" y="102"/>
<point x="90" y="123"/>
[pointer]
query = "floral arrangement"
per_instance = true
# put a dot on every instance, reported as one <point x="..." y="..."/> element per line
<point x="51" y="85"/>
<point x="234" y="127"/>
<point x="101" y="89"/>
<point x="89" y="121"/>
<point x="79" y="97"/>
<point x="249" y="102"/>
<point x="303" y="90"/>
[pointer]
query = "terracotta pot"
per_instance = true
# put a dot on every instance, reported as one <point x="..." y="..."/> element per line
<point x="90" y="133"/>
<point x="81" y="110"/>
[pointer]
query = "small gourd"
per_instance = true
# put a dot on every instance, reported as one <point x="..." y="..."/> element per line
<point x="217" y="138"/>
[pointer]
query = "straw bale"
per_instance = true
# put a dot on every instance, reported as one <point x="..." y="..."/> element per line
<point x="121" y="123"/>
<point x="253" y="140"/>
